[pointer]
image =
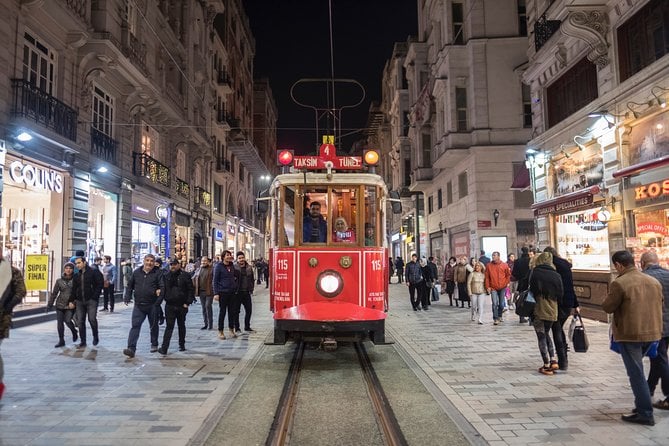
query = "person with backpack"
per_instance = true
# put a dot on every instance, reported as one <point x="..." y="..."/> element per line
<point x="415" y="282"/>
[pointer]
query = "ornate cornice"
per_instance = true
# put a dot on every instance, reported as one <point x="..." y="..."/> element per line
<point x="591" y="26"/>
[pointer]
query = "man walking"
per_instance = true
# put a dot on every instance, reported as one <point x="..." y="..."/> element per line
<point x="659" y="366"/>
<point x="399" y="269"/>
<point x="86" y="289"/>
<point x="179" y="294"/>
<point x="432" y="266"/>
<point x="635" y="299"/>
<point x="415" y="282"/>
<point x="245" y="292"/>
<point x="204" y="289"/>
<point x="148" y="285"/>
<point x="225" y="284"/>
<point x="109" y="277"/>
<point x="497" y="277"/>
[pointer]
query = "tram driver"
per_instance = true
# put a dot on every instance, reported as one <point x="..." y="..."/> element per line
<point x="314" y="227"/>
<point x="341" y="231"/>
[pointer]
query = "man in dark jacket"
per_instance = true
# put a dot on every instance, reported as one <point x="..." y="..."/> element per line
<point x="226" y="283"/>
<point x="566" y="307"/>
<point x="179" y="294"/>
<point x="521" y="271"/>
<point x="659" y="365"/>
<point x="245" y="292"/>
<point x="416" y="283"/>
<point x="86" y="289"/>
<point x="399" y="269"/>
<point x="148" y="285"/>
<point x="434" y="277"/>
<point x="314" y="227"/>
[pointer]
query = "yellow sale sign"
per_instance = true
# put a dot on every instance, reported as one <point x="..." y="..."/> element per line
<point x="37" y="272"/>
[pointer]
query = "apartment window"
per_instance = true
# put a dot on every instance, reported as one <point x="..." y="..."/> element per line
<point x="131" y="16"/>
<point x="218" y="197"/>
<point x="463" y="188"/>
<point x="407" y="172"/>
<point x="427" y="150"/>
<point x="527" y="106"/>
<point x="439" y="199"/>
<point x="103" y="111"/>
<point x="197" y="175"/>
<point x="644" y="38"/>
<point x="458" y="23"/>
<point x="39" y="63"/>
<point x="522" y="18"/>
<point x="181" y="165"/>
<point x="150" y="141"/>
<point x="461" y="108"/>
<point x="430" y="204"/>
<point x="405" y="81"/>
<point x="406" y="123"/>
<point x="573" y="90"/>
<point x="449" y="193"/>
<point x="241" y="173"/>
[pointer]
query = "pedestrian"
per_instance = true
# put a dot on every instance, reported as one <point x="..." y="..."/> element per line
<point x="566" y="307"/>
<point x="415" y="282"/>
<point x="497" y="277"/>
<point x="204" y="289"/>
<point x="484" y="258"/>
<point x="460" y="278"/>
<point x="260" y="266"/>
<point x="160" y="315"/>
<point x="265" y="273"/>
<point x="521" y="271"/>
<point x="12" y="293"/>
<point x="179" y="294"/>
<point x="126" y="270"/>
<point x="399" y="268"/>
<point x="85" y="295"/>
<point x="432" y="265"/>
<point x="109" y="281"/>
<point x="225" y="284"/>
<point x="449" y="279"/>
<point x="546" y="287"/>
<point x="244" y="293"/>
<point x="428" y="283"/>
<point x="60" y="299"/>
<point x="513" y="282"/>
<point x="659" y="366"/>
<point x="147" y="287"/>
<point x="635" y="300"/>
<point x="477" y="292"/>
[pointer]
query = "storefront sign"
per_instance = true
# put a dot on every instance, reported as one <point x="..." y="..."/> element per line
<point x="161" y="211"/>
<point x="218" y="235"/>
<point x="37" y="272"/>
<point x="657" y="228"/>
<point x="652" y="190"/>
<point x="36" y="177"/>
<point x="164" y="238"/>
<point x="565" y="206"/>
<point x="483" y="224"/>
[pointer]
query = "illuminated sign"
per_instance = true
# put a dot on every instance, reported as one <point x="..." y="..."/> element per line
<point x="36" y="177"/>
<point x="652" y="190"/>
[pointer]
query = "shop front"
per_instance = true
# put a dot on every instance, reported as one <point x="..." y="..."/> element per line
<point x="31" y="227"/>
<point x="182" y="237"/>
<point x="102" y="224"/>
<point x="219" y="241"/>
<point x="460" y="243"/>
<point x="150" y="228"/>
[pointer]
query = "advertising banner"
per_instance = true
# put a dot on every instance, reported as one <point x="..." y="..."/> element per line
<point x="37" y="272"/>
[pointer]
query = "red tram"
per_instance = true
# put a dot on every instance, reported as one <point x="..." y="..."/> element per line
<point x="328" y="253"/>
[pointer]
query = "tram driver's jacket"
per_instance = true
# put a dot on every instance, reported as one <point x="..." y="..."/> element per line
<point x="226" y="279"/>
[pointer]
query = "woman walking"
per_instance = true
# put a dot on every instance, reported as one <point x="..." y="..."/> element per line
<point x="476" y="290"/>
<point x="449" y="279"/>
<point x="546" y="286"/>
<point x="60" y="296"/>
<point x="460" y="277"/>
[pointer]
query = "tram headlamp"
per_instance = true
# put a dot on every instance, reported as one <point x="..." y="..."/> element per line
<point x="329" y="283"/>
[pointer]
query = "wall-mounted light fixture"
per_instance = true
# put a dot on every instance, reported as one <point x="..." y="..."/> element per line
<point x="661" y="100"/>
<point x="564" y="152"/>
<point x="495" y="216"/>
<point x="607" y="116"/>
<point x="581" y="147"/>
<point x="630" y="107"/>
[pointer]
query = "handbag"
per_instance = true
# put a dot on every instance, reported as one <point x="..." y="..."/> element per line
<point x="579" y="339"/>
<point x="525" y="304"/>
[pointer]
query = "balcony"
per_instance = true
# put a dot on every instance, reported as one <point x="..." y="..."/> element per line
<point x="223" y="81"/>
<point x="134" y="50"/>
<point x="223" y="119"/>
<point x="183" y="188"/>
<point x="202" y="197"/>
<point x="37" y="105"/>
<point x="103" y="146"/>
<point x="223" y="165"/>
<point x="151" y="169"/>
<point x="421" y="178"/>
<point x="544" y="30"/>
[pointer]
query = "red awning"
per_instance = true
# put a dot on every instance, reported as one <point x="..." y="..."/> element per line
<point x="567" y="202"/>
<point x="522" y="179"/>
<point x="651" y="164"/>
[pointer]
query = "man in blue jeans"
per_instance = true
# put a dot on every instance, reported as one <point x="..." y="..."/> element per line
<point x="497" y="277"/>
<point x="635" y="299"/>
<point x="86" y="287"/>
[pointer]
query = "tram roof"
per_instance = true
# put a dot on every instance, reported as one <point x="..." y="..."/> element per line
<point x="336" y="178"/>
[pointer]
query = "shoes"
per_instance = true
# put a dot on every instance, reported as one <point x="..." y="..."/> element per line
<point x="82" y="345"/>
<point x="638" y="419"/>
<point x="221" y="334"/>
<point x="211" y="328"/>
<point x="480" y="322"/>
<point x="182" y="348"/>
<point x="415" y="309"/>
<point x="130" y="353"/>
<point x="111" y="311"/>
<point x="60" y="344"/>
<point x="96" y="341"/>
<point x="496" y="323"/>
<point x="154" y="348"/>
<point x="104" y="309"/>
<point x="523" y="320"/>
<point x="238" y="331"/>
<point x="554" y="366"/>
<point x="162" y="351"/>
<point x="426" y="309"/>
<point x="232" y="333"/>
<point x="75" y="336"/>
<point x="473" y="318"/>
<point x="2" y="389"/>
<point x="203" y="328"/>
<point x="249" y="330"/>
<point x="546" y="371"/>
<point x="662" y="404"/>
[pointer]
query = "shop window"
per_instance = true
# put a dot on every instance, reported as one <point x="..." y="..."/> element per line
<point x="102" y="223"/>
<point x="103" y="112"/>
<point x="651" y="230"/>
<point x="463" y="186"/>
<point x="644" y="38"/>
<point x="39" y="63"/>
<point x="570" y="92"/>
<point x="583" y="239"/>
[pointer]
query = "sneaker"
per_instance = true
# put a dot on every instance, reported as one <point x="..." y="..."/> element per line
<point x="203" y="328"/>
<point x="662" y="404"/>
<point x="238" y="331"/>
<point x="75" y="336"/>
<point x="154" y="348"/>
<point x="232" y="333"/>
<point x="82" y="345"/>
<point x="60" y="344"/>
<point x="480" y="322"/>
<point x="221" y="334"/>
<point x="249" y="330"/>
<point x="130" y="353"/>
<point x="546" y="371"/>
<point x="104" y="309"/>
<point x="554" y="366"/>
<point x="162" y="351"/>
<point x="182" y="348"/>
<point x="496" y="322"/>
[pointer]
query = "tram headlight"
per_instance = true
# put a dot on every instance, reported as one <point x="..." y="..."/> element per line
<point x="371" y="157"/>
<point x="329" y="283"/>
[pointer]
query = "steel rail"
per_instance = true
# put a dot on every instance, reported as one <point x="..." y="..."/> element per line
<point x="279" y="433"/>
<point x="385" y="417"/>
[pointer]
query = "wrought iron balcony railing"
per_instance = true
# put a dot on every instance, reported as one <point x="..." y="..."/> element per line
<point x="222" y="78"/>
<point x="202" y="197"/>
<point x="223" y="165"/>
<point x="544" y="30"/>
<point x="183" y="188"/>
<point x="153" y="170"/>
<point x="33" y="103"/>
<point x="103" y="146"/>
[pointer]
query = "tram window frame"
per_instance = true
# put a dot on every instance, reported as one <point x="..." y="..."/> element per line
<point x="372" y="203"/>
<point x="352" y="217"/>
<point x="284" y="204"/>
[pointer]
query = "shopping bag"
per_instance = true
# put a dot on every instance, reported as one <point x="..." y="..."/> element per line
<point x="438" y="288"/>
<point x="525" y="304"/>
<point x="578" y="337"/>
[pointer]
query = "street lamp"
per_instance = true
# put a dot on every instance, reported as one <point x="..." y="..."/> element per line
<point x="495" y="216"/>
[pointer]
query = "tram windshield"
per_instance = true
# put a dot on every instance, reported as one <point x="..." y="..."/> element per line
<point x="329" y="215"/>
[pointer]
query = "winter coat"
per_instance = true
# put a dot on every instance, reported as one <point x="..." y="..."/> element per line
<point x="246" y="278"/>
<point x="546" y="286"/>
<point x="13" y="289"/>
<point x="226" y="279"/>
<point x="497" y="275"/>
<point x="521" y="271"/>
<point x="476" y="283"/>
<point x="460" y="273"/>
<point x="127" y="274"/>
<point x="635" y="299"/>
<point x="145" y="287"/>
<point x="205" y="280"/>
<point x="413" y="273"/>
<point x="179" y="290"/>
<point x="62" y="291"/>
<point x="449" y="271"/>
<point x="563" y="268"/>
<point x="307" y="224"/>
<point x="87" y="284"/>
<point x="662" y="275"/>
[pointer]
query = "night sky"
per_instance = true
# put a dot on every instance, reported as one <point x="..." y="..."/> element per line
<point x="293" y="42"/>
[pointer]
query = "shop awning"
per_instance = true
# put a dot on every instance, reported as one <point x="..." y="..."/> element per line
<point x="567" y="202"/>
<point x="522" y="179"/>
<point x="631" y="170"/>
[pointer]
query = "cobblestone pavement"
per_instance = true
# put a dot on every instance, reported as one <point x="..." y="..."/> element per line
<point x="484" y="376"/>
